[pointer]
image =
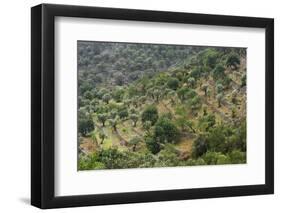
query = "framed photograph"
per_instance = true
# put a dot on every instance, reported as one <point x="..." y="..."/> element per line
<point x="139" y="106"/>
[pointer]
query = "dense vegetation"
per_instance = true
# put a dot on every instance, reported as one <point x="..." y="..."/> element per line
<point x="147" y="105"/>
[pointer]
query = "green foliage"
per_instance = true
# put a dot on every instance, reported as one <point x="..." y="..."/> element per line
<point x="218" y="72"/>
<point x="150" y="113"/>
<point x="165" y="131"/>
<point x="237" y="157"/>
<point x="206" y="122"/>
<point x="134" y="118"/>
<point x="119" y="78"/>
<point x="152" y="145"/>
<point x="156" y="94"/>
<point x="90" y="162"/>
<point x="134" y="142"/>
<point x="123" y="113"/>
<point x="210" y="57"/>
<point x="173" y="91"/>
<point x="243" y="80"/>
<point x="199" y="146"/>
<point x="219" y="98"/>
<point x="130" y="60"/>
<point x="113" y="123"/>
<point x="86" y="123"/>
<point x="184" y="124"/>
<point x="195" y="103"/>
<point x="233" y="60"/>
<point x="234" y="95"/>
<point x="213" y="158"/>
<point x="88" y="95"/>
<point x="147" y="125"/>
<point x="173" y="83"/>
<point x="195" y="162"/>
<point x="216" y="139"/>
<point x="118" y="94"/>
<point x="205" y="88"/>
<point x="106" y="98"/>
<point x="191" y="81"/>
<point x="182" y="93"/>
<point x="194" y="74"/>
<point x="102" y="136"/>
<point x="219" y="88"/>
<point x="113" y="159"/>
<point x="185" y="93"/>
<point x="102" y="118"/>
<point x="237" y="141"/>
<point x="168" y="157"/>
<point x="101" y="93"/>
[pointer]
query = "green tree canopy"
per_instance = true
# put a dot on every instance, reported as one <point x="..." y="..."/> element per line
<point x="102" y="118"/>
<point x="173" y="83"/>
<point x="152" y="145"/>
<point x="233" y="60"/>
<point x="150" y="113"/>
<point x="106" y="98"/>
<point x="218" y="72"/>
<point x="166" y="131"/>
<point x="86" y="123"/>
<point x="134" y="142"/>
<point x="199" y="146"/>
<point x="134" y="118"/>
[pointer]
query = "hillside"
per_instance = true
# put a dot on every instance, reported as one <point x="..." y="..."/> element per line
<point x="185" y="107"/>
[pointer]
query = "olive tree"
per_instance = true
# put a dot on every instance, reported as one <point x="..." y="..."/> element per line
<point x="219" y="99"/>
<point x="123" y="113"/>
<point x="134" y="118"/>
<point x="218" y="72"/>
<point x="134" y="142"/>
<point x="173" y="83"/>
<point x="113" y="123"/>
<point x="102" y="118"/>
<point x="199" y="146"/>
<point x="243" y="80"/>
<point x="102" y="136"/>
<point x="106" y="98"/>
<point x="85" y="123"/>
<point x="165" y="131"/>
<point x="232" y="60"/>
<point x="150" y="113"/>
<point x="205" y="88"/>
<point x="152" y="145"/>
<point x="191" y="81"/>
<point x="219" y="88"/>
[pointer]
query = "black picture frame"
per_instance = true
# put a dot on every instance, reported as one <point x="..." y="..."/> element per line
<point x="43" y="102"/>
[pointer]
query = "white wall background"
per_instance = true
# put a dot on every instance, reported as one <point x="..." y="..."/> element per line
<point x="15" y="105"/>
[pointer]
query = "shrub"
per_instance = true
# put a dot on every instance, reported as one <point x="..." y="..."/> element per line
<point x="152" y="145"/>
<point x="199" y="146"/>
<point x="85" y="123"/>
<point x="165" y="131"/>
<point x="173" y="83"/>
<point x="150" y="113"/>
